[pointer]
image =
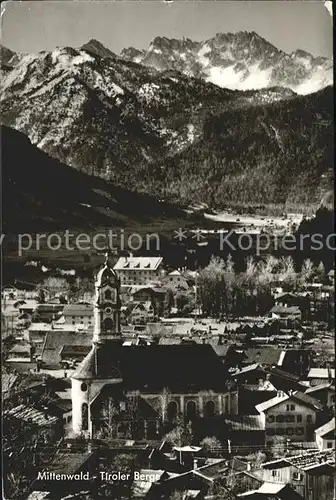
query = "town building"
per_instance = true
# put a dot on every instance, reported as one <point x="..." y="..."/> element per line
<point x="310" y="473"/>
<point x="325" y="435"/>
<point x="287" y="315"/>
<point x="293" y="300"/>
<point x="78" y="314"/>
<point x="319" y="376"/>
<point x="291" y="416"/>
<point x="139" y="270"/>
<point x="331" y="276"/>
<point x="325" y="393"/>
<point x="138" y="313"/>
<point x="47" y="312"/>
<point x="176" y="280"/>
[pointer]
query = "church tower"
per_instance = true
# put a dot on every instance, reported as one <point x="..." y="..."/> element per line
<point x="106" y="304"/>
<point x="100" y="367"/>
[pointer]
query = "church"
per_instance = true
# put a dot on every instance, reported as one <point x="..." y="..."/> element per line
<point x="139" y="392"/>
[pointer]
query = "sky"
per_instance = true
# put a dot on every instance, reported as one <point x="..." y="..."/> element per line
<point x="43" y="25"/>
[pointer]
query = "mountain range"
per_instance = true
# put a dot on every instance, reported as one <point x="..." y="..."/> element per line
<point x="168" y="134"/>
<point x="242" y="60"/>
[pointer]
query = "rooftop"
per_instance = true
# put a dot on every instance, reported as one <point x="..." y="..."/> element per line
<point x="138" y="263"/>
<point x="245" y="423"/>
<point x="56" y="340"/>
<point x="320" y="387"/>
<point x="247" y="369"/>
<point x="325" y="373"/>
<point x="140" y="488"/>
<point x="30" y="415"/>
<point x="152" y="367"/>
<point x="296" y="396"/>
<point x="78" y="310"/>
<point x="304" y="461"/>
<point x="262" y="356"/>
<point x="286" y="310"/>
<point x="326" y="428"/>
<point x="274" y="491"/>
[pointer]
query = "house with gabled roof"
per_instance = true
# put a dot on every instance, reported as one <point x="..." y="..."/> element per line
<point x="292" y="416"/>
<point x="318" y="376"/>
<point x="272" y="491"/>
<point x="325" y="435"/>
<point x="81" y="314"/>
<point x="325" y="393"/>
<point x="309" y="473"/>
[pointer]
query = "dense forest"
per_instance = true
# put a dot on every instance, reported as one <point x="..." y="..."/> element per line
<point x="279" y="153"/>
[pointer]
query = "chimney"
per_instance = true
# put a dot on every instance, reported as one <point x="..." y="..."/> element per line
<point x="248" y="468"/>
<point x="195" y="463"/>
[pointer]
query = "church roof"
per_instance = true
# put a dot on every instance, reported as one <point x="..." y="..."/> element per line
<point x="155" y="367"/>
<point x="96" y="366"/>
<point x="106" y="272"/>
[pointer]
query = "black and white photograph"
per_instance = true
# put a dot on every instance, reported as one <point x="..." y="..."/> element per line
<point x="167" y="250"/>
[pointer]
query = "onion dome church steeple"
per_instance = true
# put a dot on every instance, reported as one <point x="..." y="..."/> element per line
<point x="106" y="304"/>
<point x="101" y="365"/>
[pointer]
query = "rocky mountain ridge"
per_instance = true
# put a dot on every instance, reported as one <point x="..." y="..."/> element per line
<point x="242" y="61"/>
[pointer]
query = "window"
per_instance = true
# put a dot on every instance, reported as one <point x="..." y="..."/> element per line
<point x="290" y="418"/>
<point x="329" y="444"/>
<point x="280" y="431"/>
<point x="108" y="295"/>
<point x="309" y="419"/>
<point x="191" y="410"/>
<point x="289" y="431"/>
<point x="270" y="432"/>
<point x="287" y="407"/>
<point x="297" y="476"/>
<point x="108" y="324"/>
<point x="292" y="407"/>
<point x="299" y="418"/>
<point x="172" y="410"/>
<point x="280" y="418"/>
<point x="83" y="387"/>
<point x="85" y="416"/>
<point x="299" y="431"/>
<point x="69" y="419"/>
<point x="210" y="409"/>
<point x="275" y="473"/>
<point x="333" y="399"/>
